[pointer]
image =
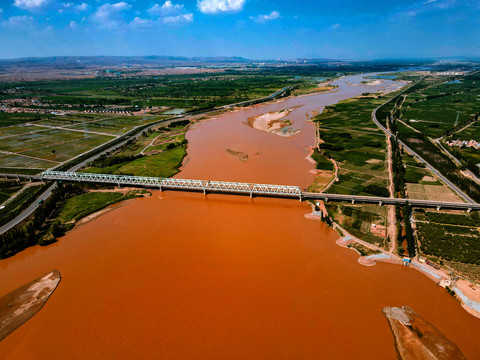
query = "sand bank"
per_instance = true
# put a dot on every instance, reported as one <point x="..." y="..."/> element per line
<point x="274" y="122"/>
<point x="22" y="304"/>
<point x="417" y="339"/>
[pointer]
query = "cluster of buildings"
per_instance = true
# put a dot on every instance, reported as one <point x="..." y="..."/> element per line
<point x="464" y="143"/>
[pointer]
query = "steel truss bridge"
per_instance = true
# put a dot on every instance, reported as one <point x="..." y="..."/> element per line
<point x="223" y="187"/>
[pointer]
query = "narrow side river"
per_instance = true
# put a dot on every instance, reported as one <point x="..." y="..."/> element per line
<point x="188" y="276"/>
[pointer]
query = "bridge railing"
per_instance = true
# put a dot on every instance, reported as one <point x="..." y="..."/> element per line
<point x="244" y="188"/>
<point x="173" y="183"/>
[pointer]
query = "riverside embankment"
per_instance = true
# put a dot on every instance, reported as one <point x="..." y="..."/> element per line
<point x="181" y="275"/>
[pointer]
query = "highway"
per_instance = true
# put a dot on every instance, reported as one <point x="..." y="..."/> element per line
<point x="419" y="158"/>
<point x="30" y="210"/>
<point x="237" y="188"/>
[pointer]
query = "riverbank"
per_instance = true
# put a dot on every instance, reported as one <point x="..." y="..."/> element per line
<point x="466" y="292"/>
<point x="241" y="266"/>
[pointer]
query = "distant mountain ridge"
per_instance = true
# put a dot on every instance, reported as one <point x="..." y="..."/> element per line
<point x="125" y="60"/>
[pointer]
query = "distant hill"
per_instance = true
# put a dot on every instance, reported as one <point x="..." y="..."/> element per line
<point x="123" y="60"/>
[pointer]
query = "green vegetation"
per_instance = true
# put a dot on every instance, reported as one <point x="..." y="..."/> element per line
<point x="19" y="203"/>
<point x="471" y="220"/>
<point x="363" y="250"/>
<point x="8" y="119"/>
<point x="351" y="138"/>
<point x="67" y="204"/>
<point x="443" y="95"/>
<point x="322" y="162"/>
<point x="206" y="90"/>
<point x="34" y="231"/>
<point x="358" y="220"/>
<point x="6" y="193"/>
<point x="163" y="158"/>
<point x="471" y="271"/>
<point x="79" y="206"/>
<point x="450" y="242"/>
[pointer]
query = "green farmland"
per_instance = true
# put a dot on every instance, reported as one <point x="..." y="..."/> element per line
<point x="352" y="139"/>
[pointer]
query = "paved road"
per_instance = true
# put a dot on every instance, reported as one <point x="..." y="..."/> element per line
<point x="29" y="211"/>
<point x="419" y="158"/>
<point x="237" y="188"/>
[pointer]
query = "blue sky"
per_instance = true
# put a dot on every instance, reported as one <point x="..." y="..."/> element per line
<point x="256" y="29"/>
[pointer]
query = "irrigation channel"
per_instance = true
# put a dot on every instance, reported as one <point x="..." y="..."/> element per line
<point x="182" y="276"/>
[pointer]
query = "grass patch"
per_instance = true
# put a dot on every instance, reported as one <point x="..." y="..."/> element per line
<point x="79" y="206"/>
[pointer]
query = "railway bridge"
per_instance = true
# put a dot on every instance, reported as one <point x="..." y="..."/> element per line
<point x="249" y="189"/>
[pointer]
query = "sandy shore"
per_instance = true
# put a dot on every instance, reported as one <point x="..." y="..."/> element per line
<point x="22" y="304"/>
<point x="467" y="293"/>
<point x="417" y="339"/>
<point x="274" y="122"/>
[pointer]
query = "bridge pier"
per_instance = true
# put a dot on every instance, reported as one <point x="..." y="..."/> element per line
<point x="233" y="188"/>
<point x="469" y="210"/>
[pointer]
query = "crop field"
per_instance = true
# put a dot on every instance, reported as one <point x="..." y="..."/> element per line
<point x="19" y="129"/>
<point x="362" y="221"/>
<point x="435" y="116"/>
<point x="7" y="119"/>
<point x="470" y="133"/>
<point x="450" y="241"/>
<point x="422" y="184"/>
<point x="46" y="148"/>
<point x="416" y="173"/>
<point x="17" y="163"/>
<point x="350" y="137"/>
<point x="171" y="90"/>
<point x="116" y="125"/>
<point x="5" y="194"/>
<point x="164" y="164"/>
<point x="164" y="149"/>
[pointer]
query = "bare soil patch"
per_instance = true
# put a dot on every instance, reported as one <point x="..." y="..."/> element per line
<point x="417" y="339"/>
<point x="22" y="304"/>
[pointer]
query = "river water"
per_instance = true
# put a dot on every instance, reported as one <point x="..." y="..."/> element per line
<point x="188" y="276"/>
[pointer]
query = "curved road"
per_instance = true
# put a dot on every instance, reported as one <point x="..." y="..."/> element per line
<point x="419" y="158"/>
<point x="29" y="210"/>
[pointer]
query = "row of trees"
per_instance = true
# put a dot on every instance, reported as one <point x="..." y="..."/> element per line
<point x="38" y="230"/>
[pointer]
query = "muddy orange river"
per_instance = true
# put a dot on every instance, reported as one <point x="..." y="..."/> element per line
<point x="188" y="276"/>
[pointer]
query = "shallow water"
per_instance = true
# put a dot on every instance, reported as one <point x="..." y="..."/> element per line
<point x="188" y="276"/>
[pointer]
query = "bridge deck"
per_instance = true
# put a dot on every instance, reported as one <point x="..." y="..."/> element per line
<point x="283" y="191"/>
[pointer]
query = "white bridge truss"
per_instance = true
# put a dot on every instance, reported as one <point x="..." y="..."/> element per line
<point x="177" y="184"/>
<point x="284" y="191"/>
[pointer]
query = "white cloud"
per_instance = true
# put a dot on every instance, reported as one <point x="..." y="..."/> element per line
<point x="73" y="25"/>
<point x="19" y="23"/>
<point x="335" y="26"/>
<point x="264" y="18"/>
<point x="424" y="6"/>
<point x="82" y="7"/>
<point x="30" y="4"/>
<point x="170" y="13"/>
<point x="110" y="16"/>
<point x="167" y="9"/>
<point x="73" y="7"/>
<point x="179" y="19"/>
<point x="140" y="23"/>
<point x="218" y="6"/>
